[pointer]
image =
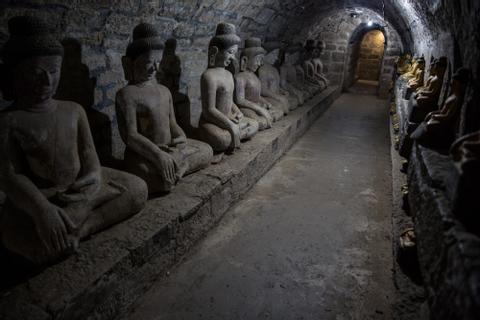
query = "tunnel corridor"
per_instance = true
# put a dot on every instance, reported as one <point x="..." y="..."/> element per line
<point x="239" y="159"/>
<point x="311" y="240"/>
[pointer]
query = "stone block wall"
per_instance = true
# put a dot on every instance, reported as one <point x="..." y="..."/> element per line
<point x="101" y="31"/>
<point x="371" y="56"/>
<point x="343" y="35"/>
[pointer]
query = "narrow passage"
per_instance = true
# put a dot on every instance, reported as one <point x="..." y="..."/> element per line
<point x="310" y="241"/>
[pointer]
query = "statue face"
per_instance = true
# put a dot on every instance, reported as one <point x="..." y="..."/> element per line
<point x="226" y="57"/>
<point x="253" y="63"/>
<point x="146" y="65"/>
<point x="36" y="79"/>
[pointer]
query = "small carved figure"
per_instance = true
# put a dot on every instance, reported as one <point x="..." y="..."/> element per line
<point x="437" y="130"/>
<point x="403" y="63"/>
<point x="271" y="90"/>
<point x="248" y="87"/>
<point x="288" y="77"/>
<point x="317" y="62"/>
<point x="157" y="149"/>
<point x="309" y="68"/>
<point x="417" y="81"/>
<point x="222" y="125"/>
<point x="425" y="99"/>
<point x="411" y="70"/>
<point x="57" y="192"/>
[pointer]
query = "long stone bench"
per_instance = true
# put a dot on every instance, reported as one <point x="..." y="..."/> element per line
<point x="116" y="266"/>
<point x="448" y="255"/>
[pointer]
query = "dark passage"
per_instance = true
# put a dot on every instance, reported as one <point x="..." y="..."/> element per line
<point x="310" y="241"/>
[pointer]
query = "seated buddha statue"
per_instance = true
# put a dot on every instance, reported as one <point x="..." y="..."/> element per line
<point x="403" y="63"/>
<point x="419" y="77"/>
<point x="438" y="128"/>
<point x="248" y="87"/>
<point x="271" y="91"/>
<point x="222" y="125"/>
<point x="288" y="77"/>
<point x="57" y="192"/>
<point x="412" y="70"/>
<point x="309" y="68"/>
<point x="425" y="99"/>
<point x="157" y="149"/>
<point x="318" y="64"/>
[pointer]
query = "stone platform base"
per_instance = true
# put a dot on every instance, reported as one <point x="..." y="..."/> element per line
<point x="448" y="255"/>
<point x="115" y="267"/>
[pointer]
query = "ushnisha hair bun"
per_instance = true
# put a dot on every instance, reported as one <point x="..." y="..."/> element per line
<point x="145" y="38"/>
<point x="30" y="37"/>
<point x="225" y="36"/>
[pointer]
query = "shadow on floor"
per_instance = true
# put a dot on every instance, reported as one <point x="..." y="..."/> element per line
<point x="364" y="87"/>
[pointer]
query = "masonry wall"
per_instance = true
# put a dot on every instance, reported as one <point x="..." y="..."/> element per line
<point x="102" y="29"/>
<point x="343" y="35"/>
<point x="371" y="56"/>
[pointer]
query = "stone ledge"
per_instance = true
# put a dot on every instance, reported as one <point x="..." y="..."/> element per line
<point x="449" y="256"/>
<point x="116" y="266"/>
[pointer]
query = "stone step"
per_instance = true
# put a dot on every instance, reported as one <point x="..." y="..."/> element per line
<point x="118" y="265"/>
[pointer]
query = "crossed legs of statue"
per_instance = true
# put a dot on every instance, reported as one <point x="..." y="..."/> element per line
<point x="121" y="196"/>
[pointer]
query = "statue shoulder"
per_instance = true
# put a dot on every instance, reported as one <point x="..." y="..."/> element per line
<point x="164" y="91"/>
<point x="70" y="107"/>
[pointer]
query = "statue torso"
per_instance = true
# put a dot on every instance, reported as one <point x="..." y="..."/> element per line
<point x="269" y="77"/>
<point x="152" y="107"/>
<point x="221" y="81"/>
<point x="318" y="65"/>
<point x="251" y="85"/>
<point x="47" y="144"/>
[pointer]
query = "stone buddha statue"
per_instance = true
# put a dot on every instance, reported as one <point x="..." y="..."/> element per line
<point x="288" y="77"/>
<point x="309" y="68"/>
<point x="248" y="87"/>
<point x="157" y="149"/>
<point x="419" y="77"/>
<point x="57" y="192"/>
<point x="271" y="91"/>
<point x="403" y="63"/>
<point x="425" y="99"/>
<point x="318" y="64"/>
<point x="222" y="125"/>
<point x="438" y="128"/>
<point x="412" y="70"/>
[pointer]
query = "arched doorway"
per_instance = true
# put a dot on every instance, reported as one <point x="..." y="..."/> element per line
<point x="370" y="59"/>
<point x="366" y="56"/>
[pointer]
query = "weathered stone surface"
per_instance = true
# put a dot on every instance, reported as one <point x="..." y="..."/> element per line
<point x="449" y="256"/>
<point x="114" y="267"/>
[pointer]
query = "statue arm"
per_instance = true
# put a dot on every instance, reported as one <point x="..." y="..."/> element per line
<point x="16" y="185"/>
<point x="89" y="182"/>
<point x="129" y="131"/>
<point x="178" y="135"/>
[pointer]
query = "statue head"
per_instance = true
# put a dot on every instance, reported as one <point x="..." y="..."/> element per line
<point x="460" y="81"/>
<point x="223" y="47"/>
<point x="142" y="60"/>
<point x="319" y="48"/>
<point x="252" y="55"/>
<point x="33" y="60"/>
<point x="310" y="47"/>
<point x="421" y="63"/>
<point x="441" y="65"/>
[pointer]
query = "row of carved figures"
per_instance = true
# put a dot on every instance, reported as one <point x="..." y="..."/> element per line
<point x="436" y="127"/>
<point x="57" y="191"/>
